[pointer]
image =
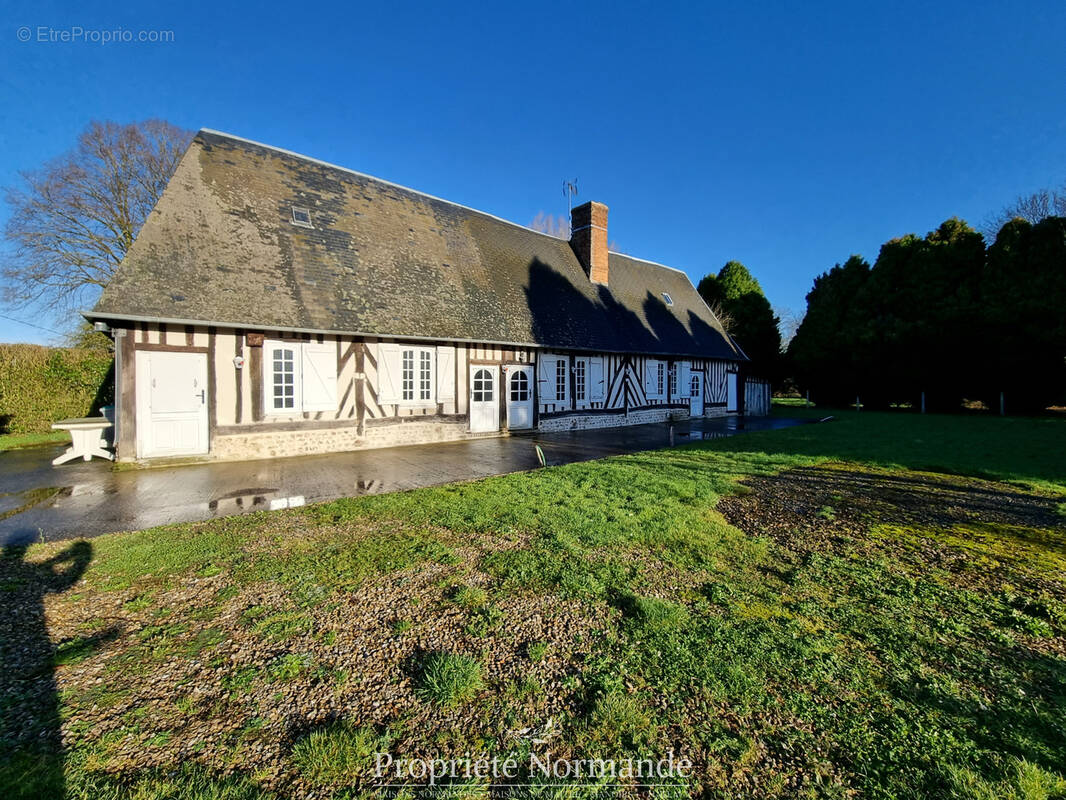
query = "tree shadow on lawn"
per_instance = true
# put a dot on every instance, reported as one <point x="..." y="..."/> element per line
<point x="30" y="725"/>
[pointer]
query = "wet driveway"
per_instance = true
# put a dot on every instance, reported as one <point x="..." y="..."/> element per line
<point x="42" y="502"/>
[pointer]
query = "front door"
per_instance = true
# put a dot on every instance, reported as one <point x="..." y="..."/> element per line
<point x="171" y="403"/>
<point x="731" y="392"/>
<point x="520" y="398"/>
<point x="484" y="399"/>
<point x="695" y="395"/>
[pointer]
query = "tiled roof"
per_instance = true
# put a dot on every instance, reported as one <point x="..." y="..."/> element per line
<point x="221" y="248"/>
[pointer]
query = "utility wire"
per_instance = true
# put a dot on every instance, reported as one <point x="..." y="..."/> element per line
<point x="32" y="325"/>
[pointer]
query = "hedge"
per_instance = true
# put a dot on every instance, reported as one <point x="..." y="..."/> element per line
<point x="39" y="385"/>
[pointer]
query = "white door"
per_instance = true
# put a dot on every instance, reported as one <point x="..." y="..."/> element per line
<point x="695" y="395"/>
<point x="484" y="399"/>
<point x="171" y="403"/>
<point x="520" y="398"/>
<point x="731" y="392"/>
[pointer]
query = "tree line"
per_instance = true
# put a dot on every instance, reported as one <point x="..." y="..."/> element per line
<point x="943" y="317"/>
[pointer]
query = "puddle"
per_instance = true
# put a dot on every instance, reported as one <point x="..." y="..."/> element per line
<point x="241" y="500"/>
<point x="14" y="503"/>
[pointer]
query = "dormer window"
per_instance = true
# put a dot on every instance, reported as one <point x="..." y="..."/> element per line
<point x="667" y="298"/>
<point x="301" y="217"/>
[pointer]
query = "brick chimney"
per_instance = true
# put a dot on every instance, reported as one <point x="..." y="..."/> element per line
<point x="588" y="237"/>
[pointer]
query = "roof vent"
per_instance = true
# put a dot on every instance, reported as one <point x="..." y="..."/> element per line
<point x="301" y="217"/>
<point x="667" y="298"/>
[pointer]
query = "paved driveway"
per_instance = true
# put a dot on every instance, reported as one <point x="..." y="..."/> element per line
<point x="92" y="499"/>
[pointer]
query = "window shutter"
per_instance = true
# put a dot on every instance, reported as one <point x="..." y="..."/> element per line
<point x="445" y="374"/>
<point x="389" y="373"/>
<point x="546" y="379"/>
<point x="649" y="378"/>
<point x="684" y="388"/>
<point x="597" y="387"/>
<point x="319" y="377"/>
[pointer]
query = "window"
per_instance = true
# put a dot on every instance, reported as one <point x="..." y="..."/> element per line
<point x="667" y="298"/>
<point x="519" y="387"/>
<point x="673" y="380"/>
<point x="407" y="375"/>
<point x="299" y="376"/>
<point x="481" y="392"/>
<point x="301" y="217"/>
<point x="284" y="370"/>
<point x="660" y="370"/>
<point x="694" y="391"/>
<point x="579" y="379"/>
<point x="425" y="375"/>
<point x="560" y="379"/>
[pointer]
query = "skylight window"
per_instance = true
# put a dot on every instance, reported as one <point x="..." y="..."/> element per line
<point x="667" y="298"/>
<point x="301" y="217"/>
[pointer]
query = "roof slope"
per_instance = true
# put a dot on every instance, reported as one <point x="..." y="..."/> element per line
<point x="220" y="247"/>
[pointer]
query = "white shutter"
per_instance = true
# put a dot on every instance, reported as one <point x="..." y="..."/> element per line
<point x="597" y="386"/>
<point x="650" y="378"/>
<point x="546" y="379"/>
<point x="389" y="373"/>
<point x="684" y="389"/>
<point x="445" y="374"/>
<point x="319" y="377"/>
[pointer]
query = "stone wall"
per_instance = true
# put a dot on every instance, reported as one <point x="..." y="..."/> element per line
<point x="313" y="441"/>
<point x="581" y="422"/>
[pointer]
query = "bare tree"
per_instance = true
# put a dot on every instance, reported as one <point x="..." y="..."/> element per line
<point x="788" y="324"/>
<point x="73" y="220"/>
<point x="1032" y="208"/>
<point x="558" y="227"/>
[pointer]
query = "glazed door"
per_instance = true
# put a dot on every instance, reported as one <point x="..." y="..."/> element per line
<point x="520" y="398"/>
<point x="695" y="395"/>
<point x="484" y="399"/>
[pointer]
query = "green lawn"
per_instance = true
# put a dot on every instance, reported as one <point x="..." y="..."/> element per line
<point x="888" y="629"/>
<point x="11" y="441"/>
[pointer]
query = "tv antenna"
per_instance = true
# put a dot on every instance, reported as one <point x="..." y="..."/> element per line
<point x="570" y="192"/>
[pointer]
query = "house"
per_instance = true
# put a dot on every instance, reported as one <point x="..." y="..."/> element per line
<point x="277" y="305"/>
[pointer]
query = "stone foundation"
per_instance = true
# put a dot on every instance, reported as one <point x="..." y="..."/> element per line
<point x="256" y="444"/>
<point x="581" y="422"/>
<point x="279" y="444"/>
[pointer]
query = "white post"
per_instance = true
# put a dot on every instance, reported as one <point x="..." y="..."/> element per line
<point x="808" y="398"/>
<point x="1002" y="405"/>
<point x="923" y="402"/>
<point x="857" y="404"/>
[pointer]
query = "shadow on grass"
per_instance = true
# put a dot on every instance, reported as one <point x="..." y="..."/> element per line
<point x="30" y="736"/>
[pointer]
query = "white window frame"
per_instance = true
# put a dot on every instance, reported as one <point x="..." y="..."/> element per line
<point x="581" y="380"/>
<point x="300" y="360"/>
<point x="560" y="372"/>
<point x="299" y="222"/>
<point x="655" y="379"/>
<point x="423" y="386"/>
<point x="672" y="377"/>
<point x="269" y="405"/>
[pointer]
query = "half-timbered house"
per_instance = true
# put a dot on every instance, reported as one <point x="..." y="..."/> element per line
<point x="277" y="305"/>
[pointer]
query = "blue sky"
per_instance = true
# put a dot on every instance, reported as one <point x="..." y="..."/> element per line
<point x="784" y="135"/>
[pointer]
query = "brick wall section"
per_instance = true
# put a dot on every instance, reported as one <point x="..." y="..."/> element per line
<point x="589" y="240"/>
